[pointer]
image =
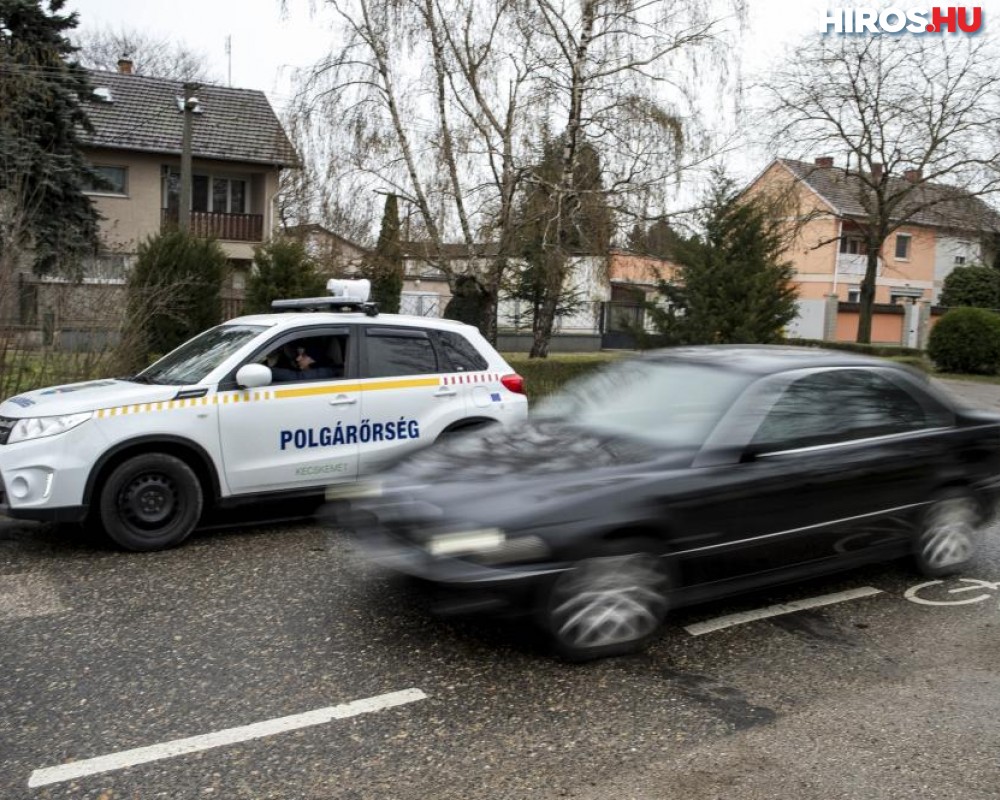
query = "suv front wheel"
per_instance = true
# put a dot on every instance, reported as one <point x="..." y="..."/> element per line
<point x="150" y="502"/>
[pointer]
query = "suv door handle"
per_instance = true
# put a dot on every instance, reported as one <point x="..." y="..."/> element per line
<point x="445" y="391"/>
<point x="343" y="400"/>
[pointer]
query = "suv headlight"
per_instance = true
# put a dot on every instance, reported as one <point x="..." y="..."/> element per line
<point x="37" y="427"/>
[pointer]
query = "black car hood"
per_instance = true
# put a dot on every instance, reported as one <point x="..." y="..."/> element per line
<point x="515" y="473"/>
<point x="533" y="449"/>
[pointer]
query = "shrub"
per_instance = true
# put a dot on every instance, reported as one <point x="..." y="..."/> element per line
<point x="966" y="340"/>
<point x="174" y="291"/>
<point x="281" y="268"/>
<point x="974" y="285"/>
<point x="542" y="376"/>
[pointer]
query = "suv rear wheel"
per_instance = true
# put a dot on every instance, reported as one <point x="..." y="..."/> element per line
<point x="150" y="502"/>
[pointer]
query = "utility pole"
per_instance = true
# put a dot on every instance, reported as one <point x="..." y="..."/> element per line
<point x="190" y="104"/>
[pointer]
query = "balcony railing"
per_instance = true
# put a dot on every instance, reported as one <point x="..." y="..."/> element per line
<point x="854" y="264"/>
<point x="213" y="224"/>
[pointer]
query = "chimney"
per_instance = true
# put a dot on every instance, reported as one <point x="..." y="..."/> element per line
<point x="877" y="172"/>
<point x="125" y="65"/>
<point x="913" y="175"/>
<point x="825" y="162"/>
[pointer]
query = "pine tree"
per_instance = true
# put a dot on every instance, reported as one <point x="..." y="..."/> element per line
<point x="734" y="286"/>
<point x="385" y="267"/>
<point x="552" y="227"/>
<point x="42" y="170"/>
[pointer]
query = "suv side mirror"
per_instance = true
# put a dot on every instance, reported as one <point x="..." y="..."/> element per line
<point x="250" y="376"/>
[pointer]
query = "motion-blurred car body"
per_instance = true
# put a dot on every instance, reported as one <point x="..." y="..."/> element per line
<point x="689" y="474"/>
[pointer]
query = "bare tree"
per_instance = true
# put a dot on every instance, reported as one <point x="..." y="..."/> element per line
<point x="448" y="105"/>
<point x="605" y="61"/>
<point x="918" y="118"/>
<point x="432" y="99"/>
<point x="151" y="55"/>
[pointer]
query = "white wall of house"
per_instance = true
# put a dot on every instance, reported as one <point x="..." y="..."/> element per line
<point x="951" y="252"/>
<point x="587" y="282"/>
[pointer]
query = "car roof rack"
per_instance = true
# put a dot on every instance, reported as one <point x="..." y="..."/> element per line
<point x="326" y="304"/>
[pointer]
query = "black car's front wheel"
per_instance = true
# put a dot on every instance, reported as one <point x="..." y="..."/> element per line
<point x="607" y="605"/>
<point x="946" y="537"/>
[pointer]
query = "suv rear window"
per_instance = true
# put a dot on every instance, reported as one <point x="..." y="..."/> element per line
<point x="461" y="352"/>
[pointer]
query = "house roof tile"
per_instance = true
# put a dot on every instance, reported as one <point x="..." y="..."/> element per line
<point x="946" y="206"/>
<point x="144" y="114"/>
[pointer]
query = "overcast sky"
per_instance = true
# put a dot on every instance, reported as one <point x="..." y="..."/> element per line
<point x="268" y="44"/>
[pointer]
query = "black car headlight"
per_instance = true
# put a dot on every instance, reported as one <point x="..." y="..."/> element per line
<point x="487" y="546"/>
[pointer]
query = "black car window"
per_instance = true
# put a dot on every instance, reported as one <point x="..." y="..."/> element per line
<point x="839" y="406"/>
<point x="399" y="355"/>
<point x="460" y="351"/>
<point x="666" y="402"/>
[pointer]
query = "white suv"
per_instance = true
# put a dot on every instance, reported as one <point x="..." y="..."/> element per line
<point x="259" y="406"/>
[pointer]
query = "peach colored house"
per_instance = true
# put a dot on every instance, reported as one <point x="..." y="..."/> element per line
<point x="238" y="151"/>
<point x="238" y="147"/>
<point x="829" y="252"/>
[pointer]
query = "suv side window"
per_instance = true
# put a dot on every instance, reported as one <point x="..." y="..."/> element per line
<point x="839" y="406"/>
<point x="308" y="358"/>
<point x="399" y="351"/>
<point x="460" y="351"/>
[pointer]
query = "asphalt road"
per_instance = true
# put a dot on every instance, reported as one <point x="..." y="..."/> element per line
<point x="103" y="652"/>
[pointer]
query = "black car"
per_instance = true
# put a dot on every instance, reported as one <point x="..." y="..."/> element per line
<point x="689" y="474"/>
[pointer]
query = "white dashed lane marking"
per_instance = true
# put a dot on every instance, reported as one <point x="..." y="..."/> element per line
<point x="729" y="620"/>
<point x="28" y="595"/>
<point x="244" y="733"/>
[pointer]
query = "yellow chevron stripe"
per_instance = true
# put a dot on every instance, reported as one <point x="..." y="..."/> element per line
<point x="246" y="396"/>
<point x="344" y="388"/>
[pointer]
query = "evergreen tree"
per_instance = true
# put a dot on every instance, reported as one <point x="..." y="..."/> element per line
<point x="734" y="286"/>
<point x="175" y="289"/>
<point x="42" y="171"/>
<point x="552" y="227"/>
<point x="468" y="302"/>
<point x="385" y="267"/>
<point x="659" y="240"/>
<point x="974" y="285"/>
<point x="282" y="268"/>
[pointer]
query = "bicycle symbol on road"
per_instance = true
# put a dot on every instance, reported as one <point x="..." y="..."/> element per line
<point x="941" y="593"/>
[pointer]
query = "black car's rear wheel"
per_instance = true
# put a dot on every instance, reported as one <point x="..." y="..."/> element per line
<point x="607" y="605"/>
<point x="946" y="537"/>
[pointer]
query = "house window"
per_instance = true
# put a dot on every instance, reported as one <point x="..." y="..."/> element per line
<point x="853" y="247"/>
<point x="111" y="180"/>
<point x="897" y="295"/>
<point x="959" y="261"/>
<point x="903" y="246"/>
<point x="215" y="193"/>
<point x="854" y="294"/>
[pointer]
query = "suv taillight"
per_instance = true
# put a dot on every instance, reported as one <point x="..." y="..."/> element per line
<point x="513" y="383"/>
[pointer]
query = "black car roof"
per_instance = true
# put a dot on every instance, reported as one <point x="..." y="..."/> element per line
<point x="765" y="359"/>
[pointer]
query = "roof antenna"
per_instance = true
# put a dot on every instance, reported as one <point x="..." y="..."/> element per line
<point x="229" y="58"/>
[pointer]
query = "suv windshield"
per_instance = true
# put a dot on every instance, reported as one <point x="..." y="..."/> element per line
<point x="666" y="402"/>
<point x="193" y="360"/>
